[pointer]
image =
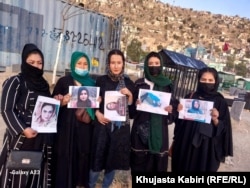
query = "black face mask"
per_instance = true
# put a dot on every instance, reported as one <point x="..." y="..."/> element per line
<point x="154" y="70"/>
<point x="206" y="88"/>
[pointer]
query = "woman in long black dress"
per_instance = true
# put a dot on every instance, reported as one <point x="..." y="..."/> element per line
<point x="73" y="139"/>
<point x="111" y="140"/>
<point x="201" y="147"/>
<point x="149" y="134"/>
<point x="18" y="100"/>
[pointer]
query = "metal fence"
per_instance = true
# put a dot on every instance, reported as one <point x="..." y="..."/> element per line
<point x="184" y="79"/>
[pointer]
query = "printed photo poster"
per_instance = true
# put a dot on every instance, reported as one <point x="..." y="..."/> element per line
<point x="153" y="101"/>
<point x="84" y="97"/>
<point x="196" y="110"/>
<point x="115" y="106"/>
<point x="44" y="117"/>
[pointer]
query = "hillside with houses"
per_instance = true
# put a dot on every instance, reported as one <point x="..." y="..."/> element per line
<point x="199" y="34"/>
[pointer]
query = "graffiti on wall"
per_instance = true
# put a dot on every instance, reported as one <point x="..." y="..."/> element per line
<point x="88" y="31"/>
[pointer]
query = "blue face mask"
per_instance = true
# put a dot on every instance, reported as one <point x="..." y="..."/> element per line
<point x="81" y="72"/>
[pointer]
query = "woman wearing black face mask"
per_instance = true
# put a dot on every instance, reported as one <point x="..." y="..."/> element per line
<point x="19" y="96"/>
<point x="201" y="147"/>
<point x="150" y="153"/>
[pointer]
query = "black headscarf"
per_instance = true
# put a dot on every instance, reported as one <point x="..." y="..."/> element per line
<point x="224" y="147"/>
<point x="32" y="75"/>
<point x="81" y="103"/>
<point x="208" y="90"/>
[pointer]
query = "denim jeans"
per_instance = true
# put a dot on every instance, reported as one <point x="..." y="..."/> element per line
<point x="107" y="180"/>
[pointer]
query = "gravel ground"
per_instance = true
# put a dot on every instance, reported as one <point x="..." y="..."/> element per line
<point x="240" y="162"/>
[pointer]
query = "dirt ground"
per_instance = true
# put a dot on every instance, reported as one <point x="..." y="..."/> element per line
<point x="240" y="162"/>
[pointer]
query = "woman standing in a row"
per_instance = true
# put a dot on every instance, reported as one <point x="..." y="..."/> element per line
<point x="111" y="139"/>
<point x="73" y="138"/>
<point x="149" y="135"/>
<point x="18" y="100"/>
<point x="198" y="146"/>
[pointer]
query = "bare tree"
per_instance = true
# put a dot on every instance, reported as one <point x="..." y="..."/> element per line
<point x="66" y="14"/>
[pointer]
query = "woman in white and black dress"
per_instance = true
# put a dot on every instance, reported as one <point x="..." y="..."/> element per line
<point x="19" y="95"/>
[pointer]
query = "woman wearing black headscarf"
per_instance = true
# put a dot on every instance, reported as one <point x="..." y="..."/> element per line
<point x="149" y="135"/>
<point x="201" y="147"/>
<point x="19" y="97"/>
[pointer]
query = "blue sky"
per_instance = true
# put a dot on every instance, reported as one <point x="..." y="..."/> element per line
<point x="224" y="7"/>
